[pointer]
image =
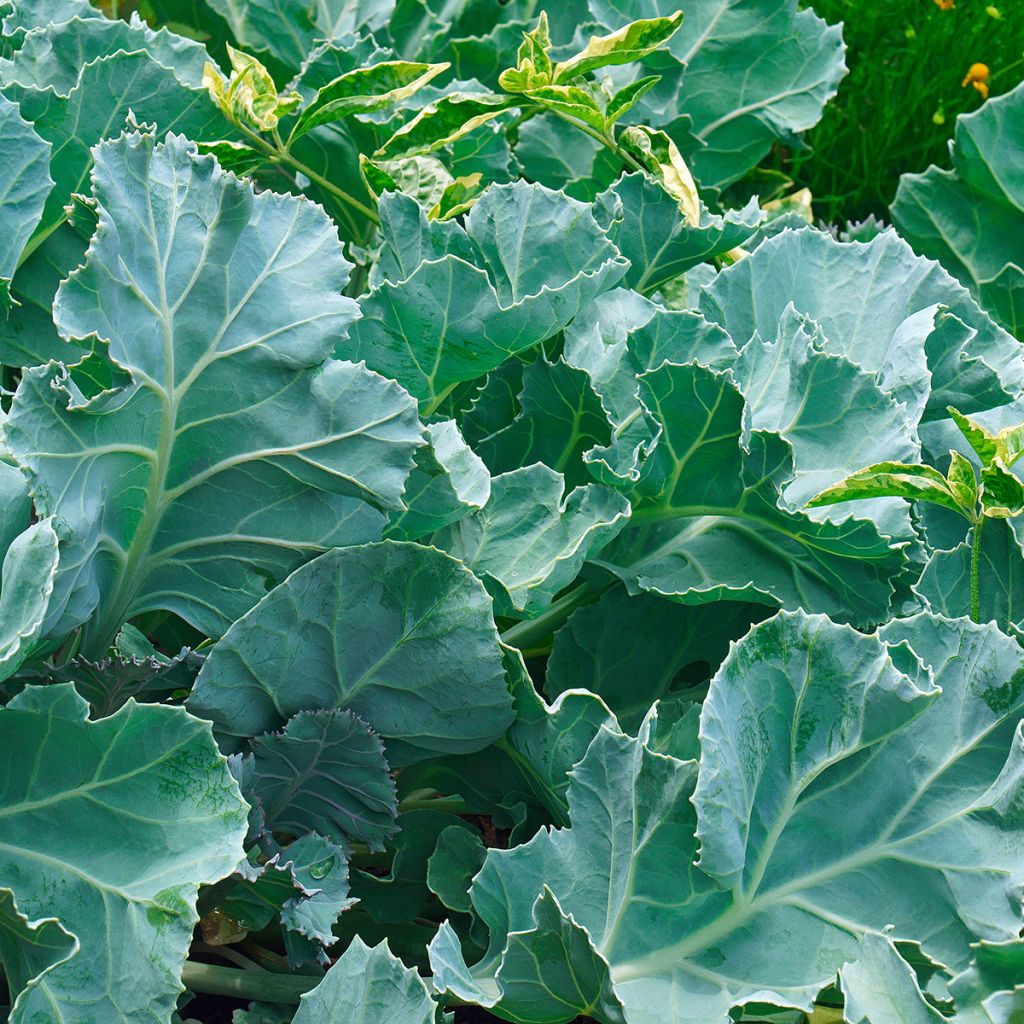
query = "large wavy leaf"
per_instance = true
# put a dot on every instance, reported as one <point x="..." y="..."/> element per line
<point x="107" y="92"/>
<point x="227" y="447"/>
<point x="834" y="797"/>
<point x="969" y="218"/>
<point x="52" y="56"/>
<point x="888" y="311"/>
<point x="400" y="634"/>
<point x="111" y="827"/>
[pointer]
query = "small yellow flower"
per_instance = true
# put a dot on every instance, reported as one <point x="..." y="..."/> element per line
<point x="939" y="117"/>
<point x="945" y="5"/>
<point x="977" y="76"/>
<point x="994" y="12"/>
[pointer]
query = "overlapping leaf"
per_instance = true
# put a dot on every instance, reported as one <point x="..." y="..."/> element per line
<point x="455" y="302"/>
<point x="736" y="106"/>
<point x="65" y="778"/>
<point x="368" y="986"/>
<point x="708" y="522"/>
<point x="531" y="538"/>
<point x="399" y="634"/>
<point x="107" y="92"/>
<point x="52" y="56"/>
<point x="969" y="218"/>
<point x="926" y="338"/>
<point x="26" y="184"/>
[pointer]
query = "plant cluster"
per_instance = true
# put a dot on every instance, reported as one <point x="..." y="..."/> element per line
<point x="440" y="576"/>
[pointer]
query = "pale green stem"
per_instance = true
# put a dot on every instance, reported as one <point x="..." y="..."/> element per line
<point x="975" y="566"/>
<point x="530" y="632"/>
<point x="606" y="140"/>
<point x="281" y="154"/>
<point x="265" y="986"/>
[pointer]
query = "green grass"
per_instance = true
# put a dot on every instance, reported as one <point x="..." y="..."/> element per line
<point x="896" y="109"/>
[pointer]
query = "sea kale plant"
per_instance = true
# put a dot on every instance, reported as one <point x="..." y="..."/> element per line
<point x="440" y="577"/>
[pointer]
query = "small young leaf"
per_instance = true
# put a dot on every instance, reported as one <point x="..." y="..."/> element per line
<point x="892" y="480"/>
<point x="458" y="198"/>
<point x="981" y="440"/>
<point x="534" y="62"/>
<point x="423" y="177"/>
<point x="325" y="772"/>
<point x="963" y="484"/>
<point x="1011" y="443"/>
<point x="1002" y="494"/>
<point x="658" y="155"/>
<point x="570" y="100"/>
<point x="627" y="98"/>
<point x="536" y="47"/>
<point x="365" y="90"/>
<point x="249" y="96"/>
<point x="629" y="43"/>
<point x="444" y="121"/>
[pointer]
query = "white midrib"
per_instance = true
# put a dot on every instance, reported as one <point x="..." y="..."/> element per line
<point x="99" y="634"/>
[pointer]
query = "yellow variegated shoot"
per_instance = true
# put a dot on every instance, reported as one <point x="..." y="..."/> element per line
<point x="248" y="97"/>
<point x="537" y="85"/>
<point x="998" y="495"/>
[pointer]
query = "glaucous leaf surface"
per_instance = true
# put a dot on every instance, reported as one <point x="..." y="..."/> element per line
<point x="20" y="17"/>
<point x="451" y="303"/>
<point x="991" y="990"/>
<point x="926" y="338"/>
<point x="26" y="184"/>
<point x="448" y="481"/>
<point x="29" y="950"/>
<point x="52" y="56"/>
<point x="229" y="447"/>
<point x="27" y="580"/>
<point x="72" y="794"/>
<point x="832" y="799"/>
<point x="880" y="986"/>
<point x="532" y="537"/>
<point x="368" y="986"/>
<point x="707" y="523"/>
<point x="945" y="583"/>
<point x="108" y="93"/>
<point x="543" y="412"/>
<point x="399" y="634"/>
<point x="646" y="225"/>
<point x="969" y="217"/>
<point x="97" y="108"/>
